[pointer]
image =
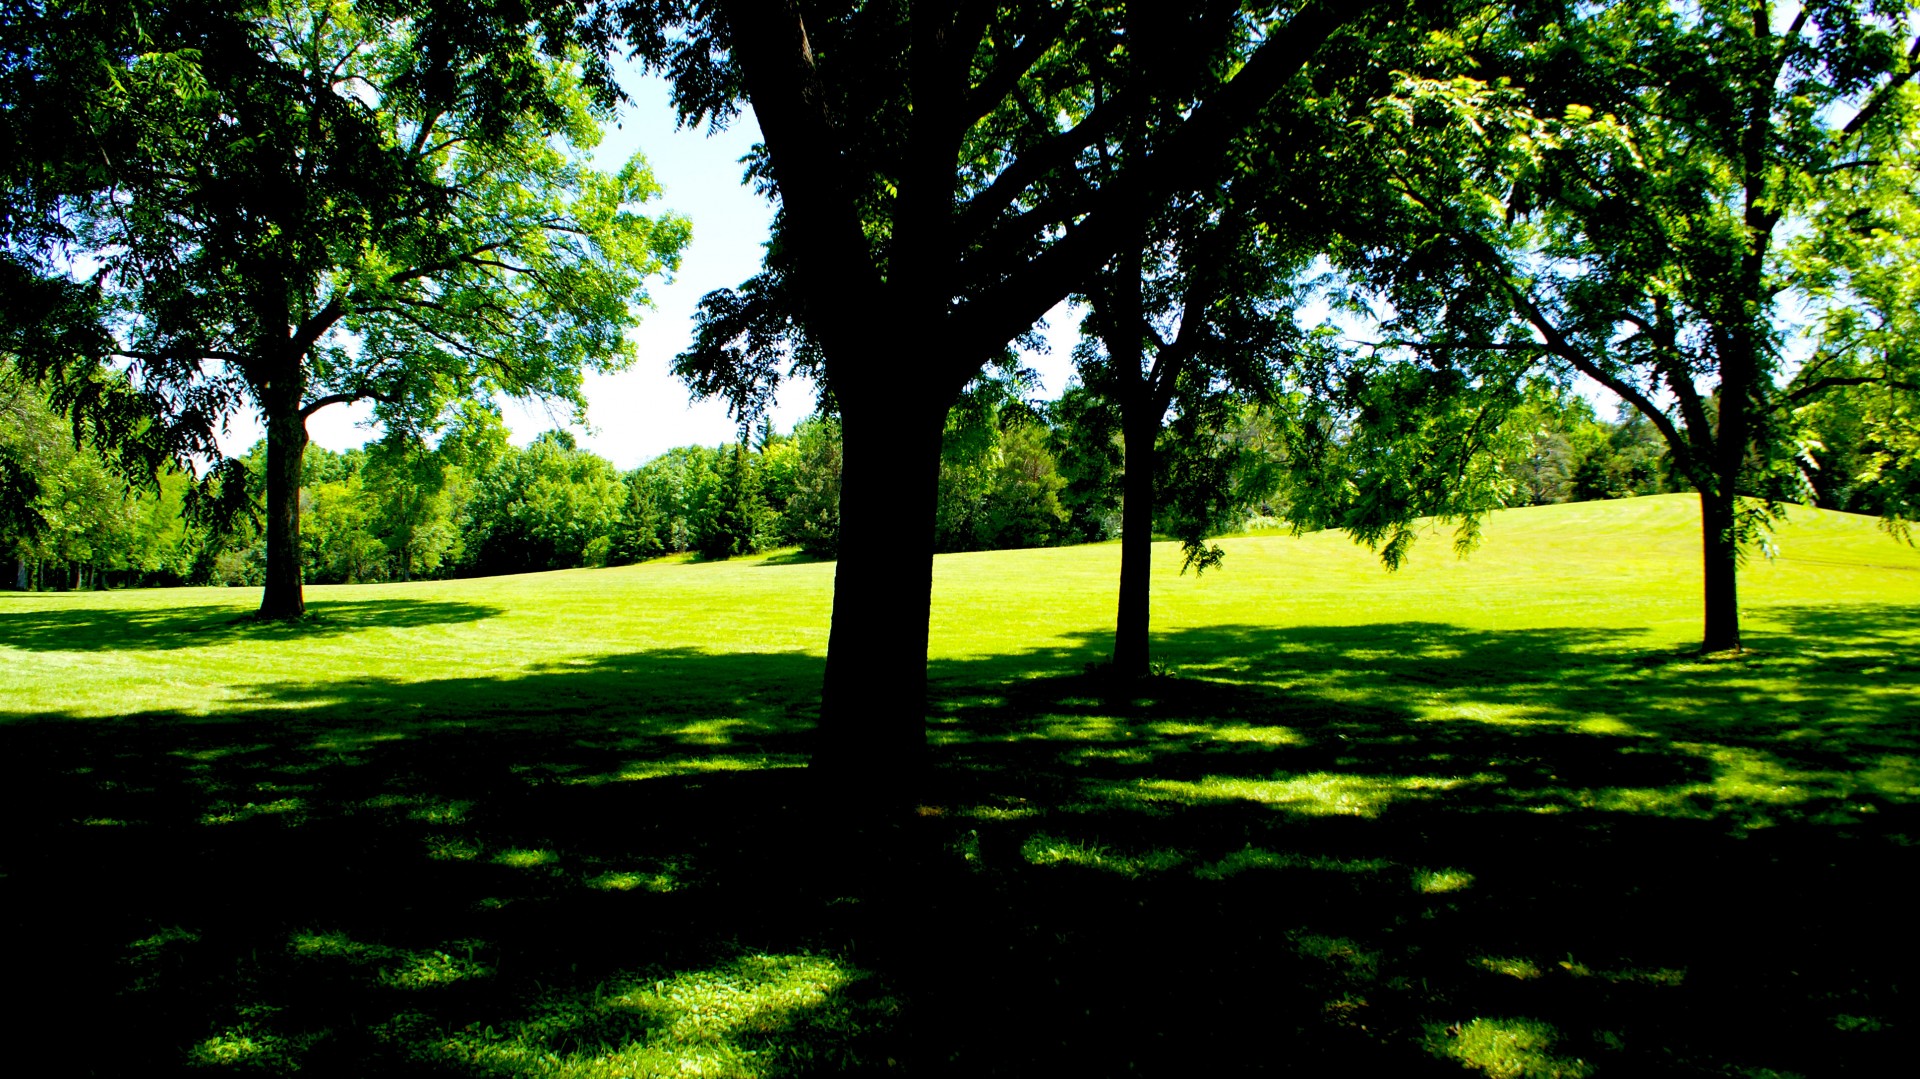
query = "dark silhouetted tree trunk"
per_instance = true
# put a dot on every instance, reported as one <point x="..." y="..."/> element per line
<point x="286" y="449"/>
<point x="1132" y="625"/>
<point x="1720" y="561"/>
<point x="873" y="702"/>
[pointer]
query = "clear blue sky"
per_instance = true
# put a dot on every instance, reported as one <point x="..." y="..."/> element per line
<point x="644" y="411"/>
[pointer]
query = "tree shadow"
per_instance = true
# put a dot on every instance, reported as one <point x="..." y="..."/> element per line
<point x="165" y="628"/>
<point x="1371" y="849"/>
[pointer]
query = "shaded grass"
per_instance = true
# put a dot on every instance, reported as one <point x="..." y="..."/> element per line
<point x="1480" y="817"/>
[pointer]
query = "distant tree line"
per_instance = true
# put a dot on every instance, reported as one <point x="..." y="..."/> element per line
<point x="1013" y="474"/>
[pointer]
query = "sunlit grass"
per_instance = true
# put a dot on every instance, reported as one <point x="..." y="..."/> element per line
<point x="1317" y="794"/>
<point x="1043" y="849"/>
<point x="755" y="1016"/>
<point x="549" y="825"/>
<point x="1507" y="1049"/>
<point x="1438" y="881"/>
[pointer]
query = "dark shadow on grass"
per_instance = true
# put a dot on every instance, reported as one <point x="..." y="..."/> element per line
<point x="794" y="558"/>
<point x="121" y="629"/>
<point x="1324" y="850"/>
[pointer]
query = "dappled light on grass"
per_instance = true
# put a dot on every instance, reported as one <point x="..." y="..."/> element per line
<point x="398" y="968"/>
<point x="1042" y="849"/>
<point x="1255" y="858"/>
<point x="638" y="771"/>
<point x="1317" y="794"/>
<point x="1507" y="1049"/>
<point x="755" y="1016"/>
<point x="547" y="843"/>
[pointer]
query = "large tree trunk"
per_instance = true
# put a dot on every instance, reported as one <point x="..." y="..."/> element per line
<point x="1130" y="649"/>
<point x="1720" y="562"/>
<point x="286" y="448"/>
<point x="872" y="737"/>
<point x="20" y="580"/>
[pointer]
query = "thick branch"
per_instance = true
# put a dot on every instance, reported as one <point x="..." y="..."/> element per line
<point x="1834" y="381"/>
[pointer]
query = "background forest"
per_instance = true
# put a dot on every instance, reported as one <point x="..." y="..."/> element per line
<point x="1014" y="474"/>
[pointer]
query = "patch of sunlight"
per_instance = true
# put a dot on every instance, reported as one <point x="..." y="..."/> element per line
<point x="1043" y="849"/>
<point x="1742" y="780"/>
<point x="337" y="945"/>
<point x="1506" y="1049"/>
<point x="165" y="938"/>
<point x="1606" y="725"/>
<point x="104" y="822"/>
<point x="1000" y="812"/>
<point x="446" y="848"/>
<point x="1259" y="734"/>
<point x="709" y="732"/>
<point x="228" y="813"/>
<point x="1266" y="736"/>
<point x="435" y="811"/>
<point x="1255" y="858"/>
<point x="1364" y="655"/>
<point x="1122" y="754"/>
<point x="1080" y="729"/>
<point x="1666" y="976"/>
<point x="526" y="859"/>
<point x="1858" y="1024"/>
<point x="1340" y="952"/>
<point x="1438" y="881"/>
<point x="666" y="880"/>
<point x="685" y="766"/>
<point x="347" y="743"/>
<point x="251" y="1047"/>
<point x="400" y="968"/>
<point x="1319" y="794"/>
<point x="426" y="970"/>
<point x="1747" y="774"/>
<point x="758" y="1015"/>
<point x="1897" y="778"/>
<point x="208" y="756"/>
<point x="1512" y="966"/>
<point x="1499" y="715"/>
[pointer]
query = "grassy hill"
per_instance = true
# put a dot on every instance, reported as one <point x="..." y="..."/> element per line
<point x="1484" y="813"/>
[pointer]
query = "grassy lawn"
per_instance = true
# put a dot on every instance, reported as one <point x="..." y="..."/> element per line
<point x="1478" y="815"/>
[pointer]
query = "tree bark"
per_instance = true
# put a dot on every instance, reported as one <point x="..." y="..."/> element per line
<point x="283" y="597"/>
<point x="872" y="735"/>
<point x="1720" y="563"/>
<point x="1131" y="658"/>
<point x="20" y="579"/>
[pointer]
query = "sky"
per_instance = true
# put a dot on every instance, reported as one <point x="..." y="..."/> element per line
<point x="644" y="411"/>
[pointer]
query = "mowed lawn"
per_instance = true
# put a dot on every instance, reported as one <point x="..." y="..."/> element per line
<point x="1485" y="814"/>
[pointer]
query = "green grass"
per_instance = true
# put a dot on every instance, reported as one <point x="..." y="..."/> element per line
<point x="1486" y="816"/>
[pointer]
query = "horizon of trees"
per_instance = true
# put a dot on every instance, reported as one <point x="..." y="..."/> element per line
<point x="1014" y="474"/>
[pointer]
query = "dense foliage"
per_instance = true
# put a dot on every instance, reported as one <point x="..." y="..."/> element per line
<point x="1014" y="473"/>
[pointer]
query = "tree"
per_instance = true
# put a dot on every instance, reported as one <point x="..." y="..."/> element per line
<point x="805" y="473"/>
<point x="313" y="202"/>
<point x="728" y="529"/>
<point x="1631" y="180"/>
<point x="1195" y="312"/>
<point x="410" y="512"/>
<point x="543" y="508"/>
<point x="935" y="201"/>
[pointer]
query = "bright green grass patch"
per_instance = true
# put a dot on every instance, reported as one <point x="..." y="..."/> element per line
<point x="1043" y="849"/>
<point x="592" y="642"/>
<point x="755" y="1016"/>
<point x="1507" y="1049"/>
